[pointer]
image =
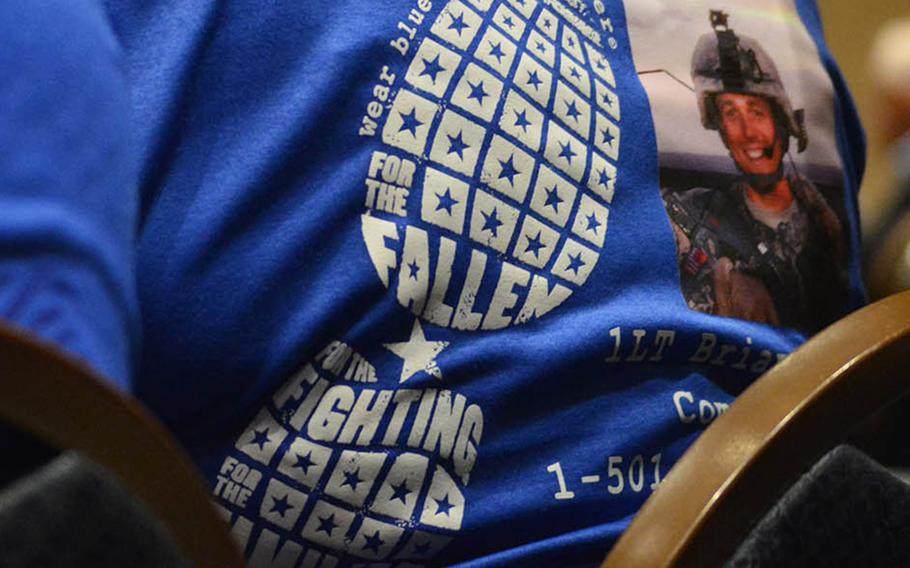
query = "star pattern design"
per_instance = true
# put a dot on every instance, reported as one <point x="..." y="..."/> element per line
<point x="431" y="68"/>
<point x="575" y="262"/>
<point x="521" y="119"/>
<point x="457" y="145"/>
<point x="572" y="110"/>
<point x="418" y="354"/>
<point x="567" y="152"/>
<point x="280" y="506"/>
<point x="352" y="479"/>
<point x="508" y="170"/>
<point x="304" y="462"/>
<point x="261" y="438"/>
<point x="477" y="92"/>
<point x="409" y="122"/>
<point x="373" y="542"/>
<point x="443" y="506"/>
<point x="423" y="350"/>
<point x="553" y="199"/>
<point x="491" y="222"/>
<point x="458" y="24"/>
<point x="496" y="51"/>
<point x="401" y="491"/>
<point x="327" y="524"/>
<point x="446" y="201"/>
<point x="593" y="223"/>
<point x="534" y="245"/>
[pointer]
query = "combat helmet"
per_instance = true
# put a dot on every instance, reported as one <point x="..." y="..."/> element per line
<point x="724" y="62"/>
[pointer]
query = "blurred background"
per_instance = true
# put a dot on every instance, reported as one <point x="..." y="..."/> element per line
<point x="871" y="42"/>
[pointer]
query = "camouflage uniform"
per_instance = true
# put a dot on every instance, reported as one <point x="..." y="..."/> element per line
<point x="802" y="262"/>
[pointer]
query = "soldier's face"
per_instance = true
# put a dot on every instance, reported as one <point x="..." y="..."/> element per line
<point x="748" y="127"/>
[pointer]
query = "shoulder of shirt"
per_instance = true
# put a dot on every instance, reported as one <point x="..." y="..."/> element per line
<point x="694" y="195"/>
<point x="715" y="199"/>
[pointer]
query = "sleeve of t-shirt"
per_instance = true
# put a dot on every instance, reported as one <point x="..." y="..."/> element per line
<point x="68" y="194"/>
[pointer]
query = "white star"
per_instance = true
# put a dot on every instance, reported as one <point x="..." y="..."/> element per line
<point x="418" y="354"/>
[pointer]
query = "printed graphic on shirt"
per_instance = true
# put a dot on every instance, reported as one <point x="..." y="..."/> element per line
<point x="754" y="189"/>
<point x="343" y="468"/>
<point x="488" y="200"/>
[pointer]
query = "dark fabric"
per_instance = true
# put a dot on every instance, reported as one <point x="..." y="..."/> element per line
<point x="31" y="453"/>
<point x="847" y="511"/>
<point x="70" y="513"/>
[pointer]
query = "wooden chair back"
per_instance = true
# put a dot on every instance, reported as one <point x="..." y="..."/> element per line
<point x="769" y="436"/>
<point x="63" y="403"/>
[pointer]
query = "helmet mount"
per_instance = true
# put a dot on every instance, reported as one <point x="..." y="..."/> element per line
<point x="737" y="65"/>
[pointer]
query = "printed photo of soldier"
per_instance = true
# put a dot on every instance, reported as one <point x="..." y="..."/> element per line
<point x="763" y="242"/>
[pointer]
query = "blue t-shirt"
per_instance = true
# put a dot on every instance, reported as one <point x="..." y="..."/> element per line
<point x="67" y="183"/>
<point x="427" y="282"/>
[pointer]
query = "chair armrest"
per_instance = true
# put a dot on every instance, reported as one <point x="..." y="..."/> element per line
<point x="768" y="437"/>
<point x="62" y="402"/>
